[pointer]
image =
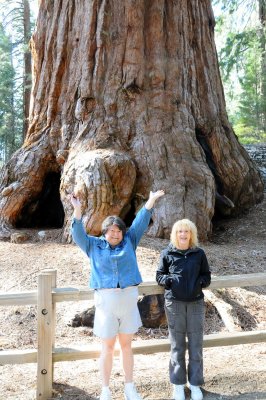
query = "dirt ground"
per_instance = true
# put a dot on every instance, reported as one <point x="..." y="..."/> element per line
<point x="231" y="373"/>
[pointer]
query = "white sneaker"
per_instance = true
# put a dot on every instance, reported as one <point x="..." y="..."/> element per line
<point x="105" y="394"/>
<point x="178" y="392"/>
<point x="131" y="392"/>
<point x="196" y="393"/>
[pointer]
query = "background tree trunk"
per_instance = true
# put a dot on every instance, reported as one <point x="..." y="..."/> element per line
<point x="27" y="66"/>
<point x="127" y="98"/>
<point x="262" y="33"/>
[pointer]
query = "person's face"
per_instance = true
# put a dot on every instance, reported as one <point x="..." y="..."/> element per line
<point x="183" y="238"/>
<point x="113" y="235"/>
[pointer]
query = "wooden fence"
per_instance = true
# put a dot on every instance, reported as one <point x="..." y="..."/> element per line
<point x="47" y="354"/>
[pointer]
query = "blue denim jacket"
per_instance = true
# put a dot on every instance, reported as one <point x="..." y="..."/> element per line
<point x="111" y="266"/>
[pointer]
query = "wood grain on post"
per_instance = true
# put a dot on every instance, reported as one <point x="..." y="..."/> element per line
<point x="45" y="337"/>
<point x="53" y="273"/>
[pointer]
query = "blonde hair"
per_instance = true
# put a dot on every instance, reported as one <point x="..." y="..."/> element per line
<point x="185" y="223"/>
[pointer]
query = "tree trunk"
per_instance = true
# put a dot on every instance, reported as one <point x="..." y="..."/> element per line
<point x="11" y="118"/>
<point x="262" y="33"/>
<point x="127" y="98"/>
<point x="27" y="66"/>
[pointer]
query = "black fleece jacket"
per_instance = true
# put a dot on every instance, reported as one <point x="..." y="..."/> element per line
<point x="183" y="274"/>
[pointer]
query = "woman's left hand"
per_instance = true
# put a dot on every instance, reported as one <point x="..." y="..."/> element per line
<point x="153" y="197"/>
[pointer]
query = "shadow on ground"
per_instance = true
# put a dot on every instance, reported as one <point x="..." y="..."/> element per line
<point x="67" y="392"/>
<point x="244" y="396"/>
<point x="217" y="396"/>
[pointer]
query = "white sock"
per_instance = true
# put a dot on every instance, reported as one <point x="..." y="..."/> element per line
<point x="105" y="389"/>
<point x="129" y="385"/>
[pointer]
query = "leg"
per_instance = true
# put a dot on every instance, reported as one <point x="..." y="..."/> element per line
<point x="106" y="360"/>
<point x="195" y="322"/>
<point x="125" y="341"/>
<point x="176" y="317"/>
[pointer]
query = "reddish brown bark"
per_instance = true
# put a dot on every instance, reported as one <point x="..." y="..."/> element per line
<point x="127" y="98"/>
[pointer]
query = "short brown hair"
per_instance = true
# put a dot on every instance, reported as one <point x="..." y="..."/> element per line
<point x="114" y="220"/>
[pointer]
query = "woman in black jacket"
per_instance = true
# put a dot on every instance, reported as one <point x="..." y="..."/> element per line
<point x="184" y="271"/>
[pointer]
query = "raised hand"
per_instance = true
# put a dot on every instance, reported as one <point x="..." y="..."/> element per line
<point x="153" y="197"/>
<point x="77" y="206"/>
<point x="75" y="201"/>
<point x="156" y="195"/>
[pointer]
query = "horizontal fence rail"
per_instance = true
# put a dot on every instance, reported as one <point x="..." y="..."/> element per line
<point x="148" y="346"/>
<point x="146" y="288"/>
<point x="47" y="354"/>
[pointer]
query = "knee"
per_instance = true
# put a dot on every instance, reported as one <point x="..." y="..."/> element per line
<point x="108" y="349"/>
<point x="126" y="347"/>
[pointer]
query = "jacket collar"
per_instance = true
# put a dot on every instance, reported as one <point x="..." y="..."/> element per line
<point x="103" y="244"/>
<point x="171" y="247"/>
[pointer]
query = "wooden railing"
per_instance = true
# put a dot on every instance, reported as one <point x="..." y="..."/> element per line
<point x="47" y="354"/>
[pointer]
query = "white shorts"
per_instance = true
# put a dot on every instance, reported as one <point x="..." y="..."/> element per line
<point x="116" y="311"/>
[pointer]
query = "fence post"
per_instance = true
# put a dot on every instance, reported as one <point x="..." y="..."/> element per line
<point x="53" y="273"/>
<point x="45" y="336"/>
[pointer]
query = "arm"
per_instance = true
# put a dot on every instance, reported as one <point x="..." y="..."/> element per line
<point x="79" y="235"/>
<point x="78" y="232"/>
<point x="205" y="273"/>
<point x="162" y="274"/>
<point x="142" y="219"/>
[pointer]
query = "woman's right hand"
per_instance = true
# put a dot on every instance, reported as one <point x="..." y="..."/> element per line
<point x="168" y="282"/>
<point x="75" y="201"/>
<point x="77" y="206"/>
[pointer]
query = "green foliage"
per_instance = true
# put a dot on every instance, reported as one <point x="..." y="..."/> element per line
<point x="241" y="51"/>
<point x="232" y="6"/>
<point x="9" y="137"/>
<point x="247" y="135"/>
<point x="13" y="45"/>
<point x="233" y="54"/>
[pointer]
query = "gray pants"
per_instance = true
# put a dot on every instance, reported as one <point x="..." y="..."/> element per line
<point x="185" y="319"/>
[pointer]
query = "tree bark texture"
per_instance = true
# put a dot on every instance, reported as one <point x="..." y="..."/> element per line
<point x="27" y="65"/>
<point x="127" y="98"/>
<point x="262" y="33"/>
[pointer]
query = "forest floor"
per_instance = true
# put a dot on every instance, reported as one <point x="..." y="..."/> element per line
<point x="231" y="373"/>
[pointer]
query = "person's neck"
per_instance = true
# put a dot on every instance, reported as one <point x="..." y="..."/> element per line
<point x="182" y="248"/>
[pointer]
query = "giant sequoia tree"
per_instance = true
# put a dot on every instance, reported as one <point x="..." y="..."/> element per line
<point x="127" y="98"/>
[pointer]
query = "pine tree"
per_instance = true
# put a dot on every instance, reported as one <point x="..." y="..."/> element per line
<point x="8" y="115"/>
<point x="242" y="63"/>
<point x="16" y="19"/>
<point x="251" y="123"/>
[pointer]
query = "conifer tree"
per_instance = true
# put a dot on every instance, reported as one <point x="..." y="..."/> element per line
<point x="8" y="112"/>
